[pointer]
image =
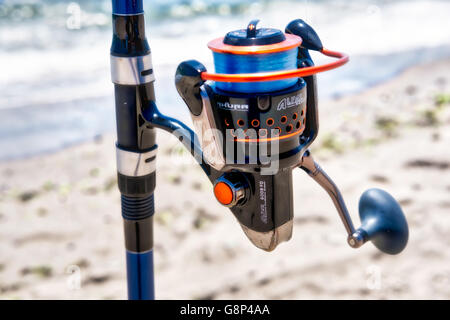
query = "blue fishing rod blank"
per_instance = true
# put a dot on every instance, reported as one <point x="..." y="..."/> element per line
<point x="140" y="276"/>
<point x="127" y="7"/>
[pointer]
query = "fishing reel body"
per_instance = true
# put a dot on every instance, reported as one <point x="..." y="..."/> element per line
<point x="254" y="141"/>
<point x="254" y="128"/>
<point x="256" y="133"/>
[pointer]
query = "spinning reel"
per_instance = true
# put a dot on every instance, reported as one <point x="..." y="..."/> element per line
<point x="255" y="119"/>
<point x="255" y="128"/>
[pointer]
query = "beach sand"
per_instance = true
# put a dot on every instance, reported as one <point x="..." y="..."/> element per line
<point x="61" y="230"/>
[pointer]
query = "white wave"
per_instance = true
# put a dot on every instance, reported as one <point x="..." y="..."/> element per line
<point x="46" y="67"/>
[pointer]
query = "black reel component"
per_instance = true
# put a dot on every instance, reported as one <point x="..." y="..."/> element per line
<point x="248" y="123"/>
<point x="256" y="138"/>
<point x="253" y="36"/>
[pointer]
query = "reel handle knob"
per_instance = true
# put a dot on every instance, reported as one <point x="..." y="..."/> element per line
<point x="383" y="222"/>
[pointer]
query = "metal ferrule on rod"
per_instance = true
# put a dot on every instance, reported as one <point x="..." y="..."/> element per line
<point x="132" y="70"/>
<point x="131" y="62"/>
<point x="136" y="164"/>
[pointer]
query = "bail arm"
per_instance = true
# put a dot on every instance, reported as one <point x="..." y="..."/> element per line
<point x="279" y="75"/>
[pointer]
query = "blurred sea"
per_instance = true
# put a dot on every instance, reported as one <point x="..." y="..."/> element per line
<point x="55" y="87"/>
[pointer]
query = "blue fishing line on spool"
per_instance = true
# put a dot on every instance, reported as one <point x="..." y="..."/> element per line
<point x="253" y="63"/>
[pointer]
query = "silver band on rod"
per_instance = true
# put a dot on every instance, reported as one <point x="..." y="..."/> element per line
<point x="134" y="164"/>
<point x="132" y="70"/>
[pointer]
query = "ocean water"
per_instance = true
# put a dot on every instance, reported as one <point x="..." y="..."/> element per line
<point x="55" y="87"/>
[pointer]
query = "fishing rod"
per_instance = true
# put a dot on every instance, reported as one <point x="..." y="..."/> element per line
<point x="255" y="118"/>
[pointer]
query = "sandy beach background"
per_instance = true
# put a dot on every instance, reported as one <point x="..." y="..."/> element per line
<point x="384" y="122"/>
<point x="61" y="230"/>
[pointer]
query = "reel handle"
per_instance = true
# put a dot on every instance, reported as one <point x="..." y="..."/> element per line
<point x="383" y="221"/>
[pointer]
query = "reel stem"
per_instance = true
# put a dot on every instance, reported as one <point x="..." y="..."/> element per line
<point x="355" y="239"/>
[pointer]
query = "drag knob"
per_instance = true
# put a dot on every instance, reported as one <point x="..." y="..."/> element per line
<point x="230" y="189"/>
<point x="383" y="222"/>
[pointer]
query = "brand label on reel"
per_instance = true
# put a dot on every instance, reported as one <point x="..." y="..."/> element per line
<point x="292" y="101"/>
<point x="232" y="106"/>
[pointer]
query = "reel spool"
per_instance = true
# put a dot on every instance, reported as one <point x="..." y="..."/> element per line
<point x="254" y="51"/>
<point x="242" y="59"/>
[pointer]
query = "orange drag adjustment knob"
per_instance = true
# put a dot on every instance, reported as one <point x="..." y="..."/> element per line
<point x="223" y="193"/>
<point x="230" y="189"/>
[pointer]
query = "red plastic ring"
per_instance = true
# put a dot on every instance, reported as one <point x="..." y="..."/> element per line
<point x="279" y="75"/>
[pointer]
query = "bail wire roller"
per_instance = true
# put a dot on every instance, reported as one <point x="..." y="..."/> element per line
<point x="254" y="119"/>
